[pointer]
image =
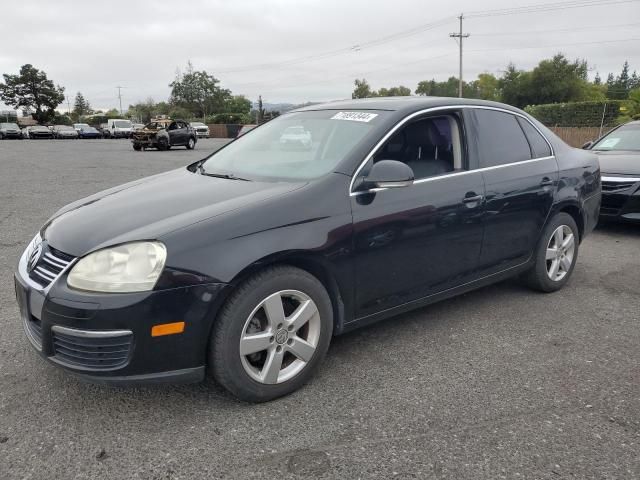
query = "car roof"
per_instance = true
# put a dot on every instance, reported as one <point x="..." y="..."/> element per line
<point x="402" y="104"/>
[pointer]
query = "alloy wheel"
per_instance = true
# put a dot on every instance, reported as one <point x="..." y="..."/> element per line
<point x="560" y="253"/>
<point x="280" y="337"/>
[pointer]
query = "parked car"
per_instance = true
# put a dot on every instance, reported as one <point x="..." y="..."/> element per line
<point x="89" y="132"/>
<point x="137" y="126"/>
<point x="80" y="126"/>
<point x="296" y="137"/>
<point x="619" y="155"/>
<point x="202" y="131"/>
<point x="38" y="131"/>
<point x="164" y="134"/>
<point x="245" y="129"/>
<point x="9" y="130"/>
<point x="118" y="128"/>
<point x="64" y="131"/>
<point x="248" y="262"/>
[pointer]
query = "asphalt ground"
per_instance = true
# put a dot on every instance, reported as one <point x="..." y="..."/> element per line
<point x="502" y="382"/>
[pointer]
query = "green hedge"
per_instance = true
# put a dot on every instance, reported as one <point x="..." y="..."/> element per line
<point x="577" y="114"/>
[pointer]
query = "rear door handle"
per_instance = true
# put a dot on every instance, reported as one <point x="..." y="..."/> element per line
<point x="546" y="182"/>
<point x="474" y="199"/>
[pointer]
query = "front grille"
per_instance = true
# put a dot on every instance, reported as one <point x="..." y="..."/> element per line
<point x="608" y="186"/>
<point x="51" y="263"/>
<point x="83" y="352"/>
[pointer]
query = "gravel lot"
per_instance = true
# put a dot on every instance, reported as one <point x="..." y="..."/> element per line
<point x="498" y="383"/>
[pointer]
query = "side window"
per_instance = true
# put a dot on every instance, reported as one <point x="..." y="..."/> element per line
<point x="430" y="146"/>
<point x="500" y="139"/>
<point x="539" y="146"/>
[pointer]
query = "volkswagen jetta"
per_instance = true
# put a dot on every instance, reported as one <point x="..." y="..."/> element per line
<point x="247" y="262"/>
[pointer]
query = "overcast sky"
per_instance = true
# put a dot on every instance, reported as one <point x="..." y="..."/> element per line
<point x="94" y="46"/>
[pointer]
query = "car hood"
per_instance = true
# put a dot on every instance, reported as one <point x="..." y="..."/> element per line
<point x="150" y="208"/>
<point x="620" y="163"/>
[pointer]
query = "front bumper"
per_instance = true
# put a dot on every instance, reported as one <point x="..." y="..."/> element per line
<point x="620" y="198"/>
<point x="202" y="133"/>
<point x="12" y="134"/>
<point x="106" y="338"/>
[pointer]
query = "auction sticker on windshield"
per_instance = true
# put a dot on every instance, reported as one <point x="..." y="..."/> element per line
<point x="355" y="116"/>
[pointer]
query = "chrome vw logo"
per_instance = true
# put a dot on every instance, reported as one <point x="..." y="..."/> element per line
<point x="34" y="256"/>
<point x="281" y="336"/>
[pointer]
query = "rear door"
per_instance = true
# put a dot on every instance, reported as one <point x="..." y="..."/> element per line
<point x="521" y="176"/>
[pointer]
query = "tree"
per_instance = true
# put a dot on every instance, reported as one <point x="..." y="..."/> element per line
<point x="514" y="85"/>
<point x="32" y="90"/>
<point x="198" y="92"/>
<point x="81" y="106"/>
<point x="597" y="80"/>
<point x="394" y="92"/>
<point x="237" y="104"/>
<point x="618" y="87"/>
<point x="362" y="90"/>
<point x="431" y="88"/>
<point x="557" y="80"/>
<point x="487" y="87"/>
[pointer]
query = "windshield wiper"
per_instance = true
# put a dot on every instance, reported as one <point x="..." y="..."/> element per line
<point x="228" y="176"/>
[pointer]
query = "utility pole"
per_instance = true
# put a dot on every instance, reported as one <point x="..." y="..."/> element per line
<point x="460" y="36"/>
<point x="68" y="107"/>
<point x="120" y="97"/>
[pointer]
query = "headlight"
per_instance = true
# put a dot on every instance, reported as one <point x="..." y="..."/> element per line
<point x="132" y="267"/>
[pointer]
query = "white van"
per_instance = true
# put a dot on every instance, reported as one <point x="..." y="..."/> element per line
<point x="118" y="128"/>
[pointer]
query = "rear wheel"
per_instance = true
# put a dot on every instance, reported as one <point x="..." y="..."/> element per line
<point x="556" y="254"/>
<point x="137" y="147"/>
<point x="271" y="334"/>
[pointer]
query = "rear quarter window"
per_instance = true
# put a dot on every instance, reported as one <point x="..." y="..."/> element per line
<point x="539" y="146"/>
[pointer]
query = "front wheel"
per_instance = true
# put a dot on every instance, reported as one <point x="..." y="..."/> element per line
<point x="271" y="334"/>
<point x="556" y="254"/>
<point x="191" y="144"/>
<point x="137" y="147"/>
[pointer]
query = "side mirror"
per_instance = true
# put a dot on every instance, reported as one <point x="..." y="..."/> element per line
<point x="388" y="174"/>
<point x="587" y="145"/>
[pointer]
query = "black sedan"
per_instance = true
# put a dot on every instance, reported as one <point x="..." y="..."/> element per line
<point x="619" y="154"/>
<point x="247" y="262"/>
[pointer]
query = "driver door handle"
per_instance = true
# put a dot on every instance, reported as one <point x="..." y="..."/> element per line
<point x="546" y="182"/>
<point x="474" y="199"/>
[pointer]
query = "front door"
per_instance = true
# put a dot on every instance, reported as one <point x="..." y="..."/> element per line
<point x="419" y="240"/>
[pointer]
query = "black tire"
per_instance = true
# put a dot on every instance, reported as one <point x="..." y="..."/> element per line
<point x="163" y="144"/>
<point x="225" y="362"/>
<point x="538" y="277"/>
<point x="137" y="147"/>
<point x="191" y="144"/>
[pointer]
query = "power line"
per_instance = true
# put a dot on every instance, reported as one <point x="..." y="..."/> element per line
<point x="554" y="30"/>
<point x="281" y="86"/>
<point x="422" y="28"/>
<point x="545" y="7"/>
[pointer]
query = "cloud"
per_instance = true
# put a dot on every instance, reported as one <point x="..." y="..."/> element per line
<point x="93" y="47"/>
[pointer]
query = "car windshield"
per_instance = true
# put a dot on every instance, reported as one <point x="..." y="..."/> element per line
<point x="625" y="138"/>
<point x="197" y="124"/>
<point x="64" y="127"/>
<point x="80" y="125"/>
<point x="269" y="153"/>
<point x="122" y="124"/>
<point x="8" y="125"/>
